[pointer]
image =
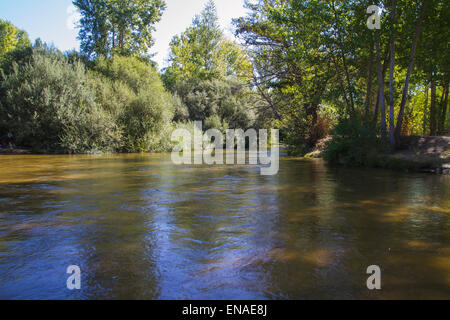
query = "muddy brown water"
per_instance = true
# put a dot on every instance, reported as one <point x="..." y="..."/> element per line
<point x="141" y="227"/>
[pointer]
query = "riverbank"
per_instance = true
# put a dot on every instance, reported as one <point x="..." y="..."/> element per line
<point x="417" y="154"/>
<point x="414" y="154"/>
<point x="14" y="152"/>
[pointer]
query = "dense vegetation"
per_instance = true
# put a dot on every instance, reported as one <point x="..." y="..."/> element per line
<point x="317" y="64"/>
<point x="53" y="103"/>
<point x="309" y="68"/>
<point x="211" y="75"/>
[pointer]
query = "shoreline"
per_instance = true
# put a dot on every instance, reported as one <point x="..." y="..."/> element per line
<point x="8" y="152"/>
<point x="416" y="154"/>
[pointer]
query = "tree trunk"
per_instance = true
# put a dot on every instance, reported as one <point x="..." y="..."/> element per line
<point x="425" y="110"/>
<point x="369" y="83"/>
<point x="391" y="80"/>
<point x="377" y="105"/>
<point x="377" y="108"/>
<point x="347" y="103"/>
<point x="114" y="38"/>
<point x="443" y="113"/>
<point x="398" y="129"/>
<point x="381" y="90"/>
<point x="447" y="110"/>
<point x="121" y="37"/>
<point x="433" y="107"/>
<point x="344" y="63"/>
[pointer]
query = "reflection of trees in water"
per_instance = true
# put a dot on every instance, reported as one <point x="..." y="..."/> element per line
<point x="214" y="225"/>
<point x="333" y="223"/>
<point x="140" y="227"/>
<point x="304" y="261"/>
<point x="385" y="212"/>
<point x="91" y="222"/>
<point x="122" y="249"/>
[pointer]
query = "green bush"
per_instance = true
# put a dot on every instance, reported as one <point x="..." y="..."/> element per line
<point x="214" y="122"/>
<point x="53" y="104"/>
<point x="230" y="100"/>
<point x="354" y="142"/>
<point x="181" y="112"/>
<point x="50" y="107"/>
<point x="132" y="91"/>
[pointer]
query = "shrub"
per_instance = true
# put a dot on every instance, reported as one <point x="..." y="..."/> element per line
<point x="354" y="142"/>
<point x="132" y="90"/>
<point x="50" y="107"/>
<point x="301" y="134"/>
<point x="181" y="112"/>
<point x="230" y="100"/>
<point x="214" y="122"/>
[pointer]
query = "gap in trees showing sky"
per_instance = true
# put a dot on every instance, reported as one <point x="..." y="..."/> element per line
<point x="53" y="21"/>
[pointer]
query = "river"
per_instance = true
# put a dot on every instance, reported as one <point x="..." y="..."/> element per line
<point x="140" y="227"/>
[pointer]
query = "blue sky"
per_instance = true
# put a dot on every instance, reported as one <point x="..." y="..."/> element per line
<point x="50" y="20"/>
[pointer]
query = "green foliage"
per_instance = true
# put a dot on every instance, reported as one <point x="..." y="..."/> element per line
<point x="301" y="133"/>
<point x="227" y="99"/>
<point x="210" y="74"/>
<point x="202" y="52"/>
<point x="50" y="107"/>
<point x="215" y="122"/>
<point x="354" y="142"/>
<point x="297" y="67"/>
<point x="306" y="62"/>
<point x="310" y="54"/>
<point x="132" y="91"/>
<point x="118" y="26"/>
<point x="181" y="112"/>
<point x="11" y="39"/>
<point x="53" y="104"/>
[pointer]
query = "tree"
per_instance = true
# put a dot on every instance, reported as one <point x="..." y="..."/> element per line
<point x="203" y="52"/>
<point x="118" y="26"/>
<point x="432" y="61"/>
<point x="49" y="105"/>
<point x="444" y="107"/>
<point x="302" y="54"/>
<point x="391" y="77"/>
<point x="11" y="38"/>
<point x="410" y="69"/>
<point x="132" y="90"/>
<point x="210" y="73"/>
<point x="381" y="90"/>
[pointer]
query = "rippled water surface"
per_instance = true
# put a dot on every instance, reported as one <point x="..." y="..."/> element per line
<point x="142" y="228"/>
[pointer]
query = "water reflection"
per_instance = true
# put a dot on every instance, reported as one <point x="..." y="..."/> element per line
<point x="142" y="228"/>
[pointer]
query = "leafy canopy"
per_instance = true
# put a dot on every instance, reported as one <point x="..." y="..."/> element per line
<point x="203" y="52"/>
<point x="11" y="38"/>
<point x="118" y="26"/>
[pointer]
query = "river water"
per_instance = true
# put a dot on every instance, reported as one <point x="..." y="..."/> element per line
<point x="140" y="227"/>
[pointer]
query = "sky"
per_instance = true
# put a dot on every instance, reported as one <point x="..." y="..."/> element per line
<point x="53" y="21"/>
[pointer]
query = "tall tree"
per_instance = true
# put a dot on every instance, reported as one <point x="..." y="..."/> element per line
<point x="11" y="38"/>
<point x="298" y="50"/>
<point x="368" y="100"/>
<point x="203" y="52"/>
<point x="391" y="76"/>
<point x="433" y="110"/>
<point x="210" y="73"/>
<point x="118" y="26"/>
<point x="381" y="97"/>
<point x="444" y="107"/>
<point x="405" y="93"/>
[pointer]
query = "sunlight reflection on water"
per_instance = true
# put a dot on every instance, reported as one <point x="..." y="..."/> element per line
<point x="142" y="228"/>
